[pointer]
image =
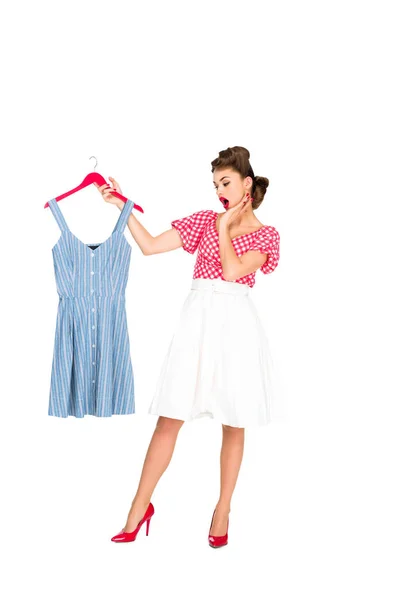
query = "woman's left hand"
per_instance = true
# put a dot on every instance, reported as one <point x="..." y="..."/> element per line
<point x="233" y="213"/>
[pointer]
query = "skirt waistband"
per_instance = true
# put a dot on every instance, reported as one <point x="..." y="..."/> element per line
<point x="220" y="286"/>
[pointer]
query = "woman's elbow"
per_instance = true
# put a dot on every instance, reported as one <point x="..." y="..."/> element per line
<point x="148" y="250"/>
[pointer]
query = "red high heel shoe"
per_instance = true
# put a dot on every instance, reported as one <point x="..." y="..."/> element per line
<point x="217" y="541"/>
<point x="130" y="536"/>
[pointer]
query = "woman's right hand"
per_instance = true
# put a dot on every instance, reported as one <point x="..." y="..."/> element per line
<point x="105" y="191"/>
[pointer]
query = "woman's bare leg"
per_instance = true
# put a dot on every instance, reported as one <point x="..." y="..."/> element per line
<point x="231" y="459"/>
<point x="157" y="459"/>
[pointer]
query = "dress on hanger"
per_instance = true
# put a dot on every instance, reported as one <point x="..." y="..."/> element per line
<point x="91" y="370"/>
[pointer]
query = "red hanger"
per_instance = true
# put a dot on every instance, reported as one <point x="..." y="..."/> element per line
<point x="94" y="178"/>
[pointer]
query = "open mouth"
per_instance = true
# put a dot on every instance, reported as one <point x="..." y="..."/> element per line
<point x="225" y="202"/>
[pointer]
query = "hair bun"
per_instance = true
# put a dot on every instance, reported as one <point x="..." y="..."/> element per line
<point x="263" y="182"/>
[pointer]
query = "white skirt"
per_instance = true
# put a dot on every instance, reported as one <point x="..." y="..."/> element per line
<point x="218" y="363"/>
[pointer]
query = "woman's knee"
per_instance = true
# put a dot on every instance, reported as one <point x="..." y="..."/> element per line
<point x="166" y="424"/>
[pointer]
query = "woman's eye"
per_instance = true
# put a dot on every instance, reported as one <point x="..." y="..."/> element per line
<point x="225" y="184"/>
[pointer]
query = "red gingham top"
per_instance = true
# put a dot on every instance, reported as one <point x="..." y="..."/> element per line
<point x="198" y="231"/>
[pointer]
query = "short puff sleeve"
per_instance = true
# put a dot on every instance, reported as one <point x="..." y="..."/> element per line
<point x="191" y="228"/>
<point x="267" y="241"/>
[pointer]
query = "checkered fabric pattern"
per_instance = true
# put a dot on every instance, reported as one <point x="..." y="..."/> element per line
<point x="198" y="232"/>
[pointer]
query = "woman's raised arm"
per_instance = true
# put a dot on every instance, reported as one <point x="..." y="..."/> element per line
<point x="164" y="242"/>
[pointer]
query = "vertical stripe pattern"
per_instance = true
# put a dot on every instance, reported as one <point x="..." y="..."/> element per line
<point x="91" y="371"/>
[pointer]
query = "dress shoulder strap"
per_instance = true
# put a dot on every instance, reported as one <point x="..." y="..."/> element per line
<point x="124" y="216"/>
<point x="59" y="217"/>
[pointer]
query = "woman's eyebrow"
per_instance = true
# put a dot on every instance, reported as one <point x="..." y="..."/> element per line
<point x="224" y="177"/>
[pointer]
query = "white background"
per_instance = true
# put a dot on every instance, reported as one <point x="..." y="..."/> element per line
<point x="155" y="91"/>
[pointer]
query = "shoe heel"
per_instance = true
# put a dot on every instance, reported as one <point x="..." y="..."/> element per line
<point x="148" y="526"/>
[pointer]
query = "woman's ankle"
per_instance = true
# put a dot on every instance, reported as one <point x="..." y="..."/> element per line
<point x="223" y="507"/>
<point x="140" y="503"/>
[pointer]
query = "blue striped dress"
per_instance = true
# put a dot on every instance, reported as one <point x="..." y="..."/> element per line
<point x="91" y="370"/>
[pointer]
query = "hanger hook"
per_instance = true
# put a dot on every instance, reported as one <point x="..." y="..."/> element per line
<point x="94" y="168"/>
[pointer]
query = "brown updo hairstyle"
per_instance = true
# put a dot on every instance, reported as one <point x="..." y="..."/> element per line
<point x="238" y="159"/>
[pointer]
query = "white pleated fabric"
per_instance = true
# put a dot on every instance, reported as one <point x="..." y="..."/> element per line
<point x="218" y="363"/>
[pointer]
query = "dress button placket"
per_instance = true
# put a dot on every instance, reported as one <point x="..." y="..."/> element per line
<point x="93" y="319"/>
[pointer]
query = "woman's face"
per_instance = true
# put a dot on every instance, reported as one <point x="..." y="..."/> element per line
<point x="230" y="186"/>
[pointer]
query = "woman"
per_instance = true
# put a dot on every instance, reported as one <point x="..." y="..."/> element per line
<point x="218" y="362"/>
